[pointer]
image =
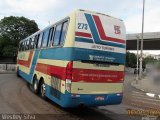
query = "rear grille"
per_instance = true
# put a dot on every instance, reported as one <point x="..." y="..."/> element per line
<point x="56" y="87"/>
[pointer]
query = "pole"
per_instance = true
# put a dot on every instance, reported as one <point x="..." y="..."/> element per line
<point x="141" y="55"/>
<point x="137" y="77"/>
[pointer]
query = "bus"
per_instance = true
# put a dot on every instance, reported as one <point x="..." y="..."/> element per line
<point x="78" y="61"/>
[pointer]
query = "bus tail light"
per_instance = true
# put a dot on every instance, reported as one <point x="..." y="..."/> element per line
<point x="68" y="85"/>
<point x="69" y="71"/>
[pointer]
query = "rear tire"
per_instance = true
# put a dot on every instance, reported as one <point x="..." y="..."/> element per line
<point x="34" y="86"/>
<point x="42" y="89"/>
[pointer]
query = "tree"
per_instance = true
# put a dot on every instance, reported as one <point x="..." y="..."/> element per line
<point x="12" y="30"/>
<point x="131" y="60"/>
<point x="150" y="59"/>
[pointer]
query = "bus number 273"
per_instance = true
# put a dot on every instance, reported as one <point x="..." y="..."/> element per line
<point x="82" y="26"/>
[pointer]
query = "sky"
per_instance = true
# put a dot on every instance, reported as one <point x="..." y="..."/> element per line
<point x="45" y="11"/>
<point x="50" y="11"/>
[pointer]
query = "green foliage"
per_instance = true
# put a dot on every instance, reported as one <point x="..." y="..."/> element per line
<point x="8" y="51"/>
<point x="12" y="30"/>
<point x="131" y="59"/>
<point x="150" y="59"/>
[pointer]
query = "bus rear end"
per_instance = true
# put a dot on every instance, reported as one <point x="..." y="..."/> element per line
<point x="96" y="74"/>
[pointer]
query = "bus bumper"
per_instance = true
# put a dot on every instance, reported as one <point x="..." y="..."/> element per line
<point x="92" y="100"/>
<point x="74" y="100"/>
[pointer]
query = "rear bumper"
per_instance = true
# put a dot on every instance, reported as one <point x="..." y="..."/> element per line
<point x="74" y="100"/>
<point x="90" y="100"/>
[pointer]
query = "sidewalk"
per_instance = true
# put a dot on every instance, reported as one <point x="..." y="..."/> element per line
<point x="147" y="85"/>
<point x="7" y="72"/>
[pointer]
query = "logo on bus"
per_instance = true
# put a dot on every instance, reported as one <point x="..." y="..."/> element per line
<point x="117" y="29"/>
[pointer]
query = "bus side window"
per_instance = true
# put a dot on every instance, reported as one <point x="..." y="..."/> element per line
<point x="36" y="40"/>
<point x="24" y="45"/>
<point x="63" y="33"/>
<point x="57" y="35"/>
<point x="27" y="45"/>
<point x="22" y="48"/>
<point x="50" y="36"/>
<point x="30" y="46"/>
<point x="32" y="42"/>
<point x="40" y="40"/>
<point x="45" y="38"/>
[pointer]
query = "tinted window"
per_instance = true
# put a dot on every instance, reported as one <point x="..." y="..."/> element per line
<point x="65" y="24"/>
<point x="27" y="45"/>
<point x="32" y="43"/>
<point x="22" y="46"/>
<point x="50" y="36"/>
<point x="36" y="40"/>
<point x="57" y="34"/>
<point x="40" y="40"/>
<point x="45" y="38"/>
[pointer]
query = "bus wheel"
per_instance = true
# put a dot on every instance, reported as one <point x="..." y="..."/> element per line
<point x="35" y="85"/>
<point x="42" y="89"/>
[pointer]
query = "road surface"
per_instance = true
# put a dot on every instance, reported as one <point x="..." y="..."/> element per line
<point x="17" y="98"/>
<point x="137" y="98"/>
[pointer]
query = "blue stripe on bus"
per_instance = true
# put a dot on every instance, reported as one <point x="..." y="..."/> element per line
<point x="75" y="54"/>
<point x="96" y="36"/>
<point x="25" y="76"/>
<point x="86" y="40"/>
<point x="33" y="65"/>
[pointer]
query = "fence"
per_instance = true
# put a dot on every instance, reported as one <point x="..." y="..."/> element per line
<point x="7" y="67"/>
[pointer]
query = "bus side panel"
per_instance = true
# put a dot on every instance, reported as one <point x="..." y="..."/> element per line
<point x="26" y="64"/>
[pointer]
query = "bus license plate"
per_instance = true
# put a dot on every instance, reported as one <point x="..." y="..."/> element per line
<point x="99" y="98"/>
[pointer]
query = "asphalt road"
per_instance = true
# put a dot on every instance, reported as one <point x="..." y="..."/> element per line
<point x="17" y="98"/>
<point x="137" y="98"/>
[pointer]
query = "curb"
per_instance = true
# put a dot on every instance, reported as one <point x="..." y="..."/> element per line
<point x="11" y="72"/>
<point x="155" y="94"/>
<point x="132" y="84"/>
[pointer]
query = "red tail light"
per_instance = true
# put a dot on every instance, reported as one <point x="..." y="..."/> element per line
<point x="69" y="70"/>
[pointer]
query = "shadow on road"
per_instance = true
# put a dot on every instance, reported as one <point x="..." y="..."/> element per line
<point x="80" y="113"/>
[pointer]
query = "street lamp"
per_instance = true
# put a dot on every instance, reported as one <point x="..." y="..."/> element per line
<point x="137" y="77"/>
<point x="141" y="55"/>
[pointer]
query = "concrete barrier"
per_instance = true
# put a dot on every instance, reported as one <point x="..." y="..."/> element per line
<point x="7" y="68"/>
